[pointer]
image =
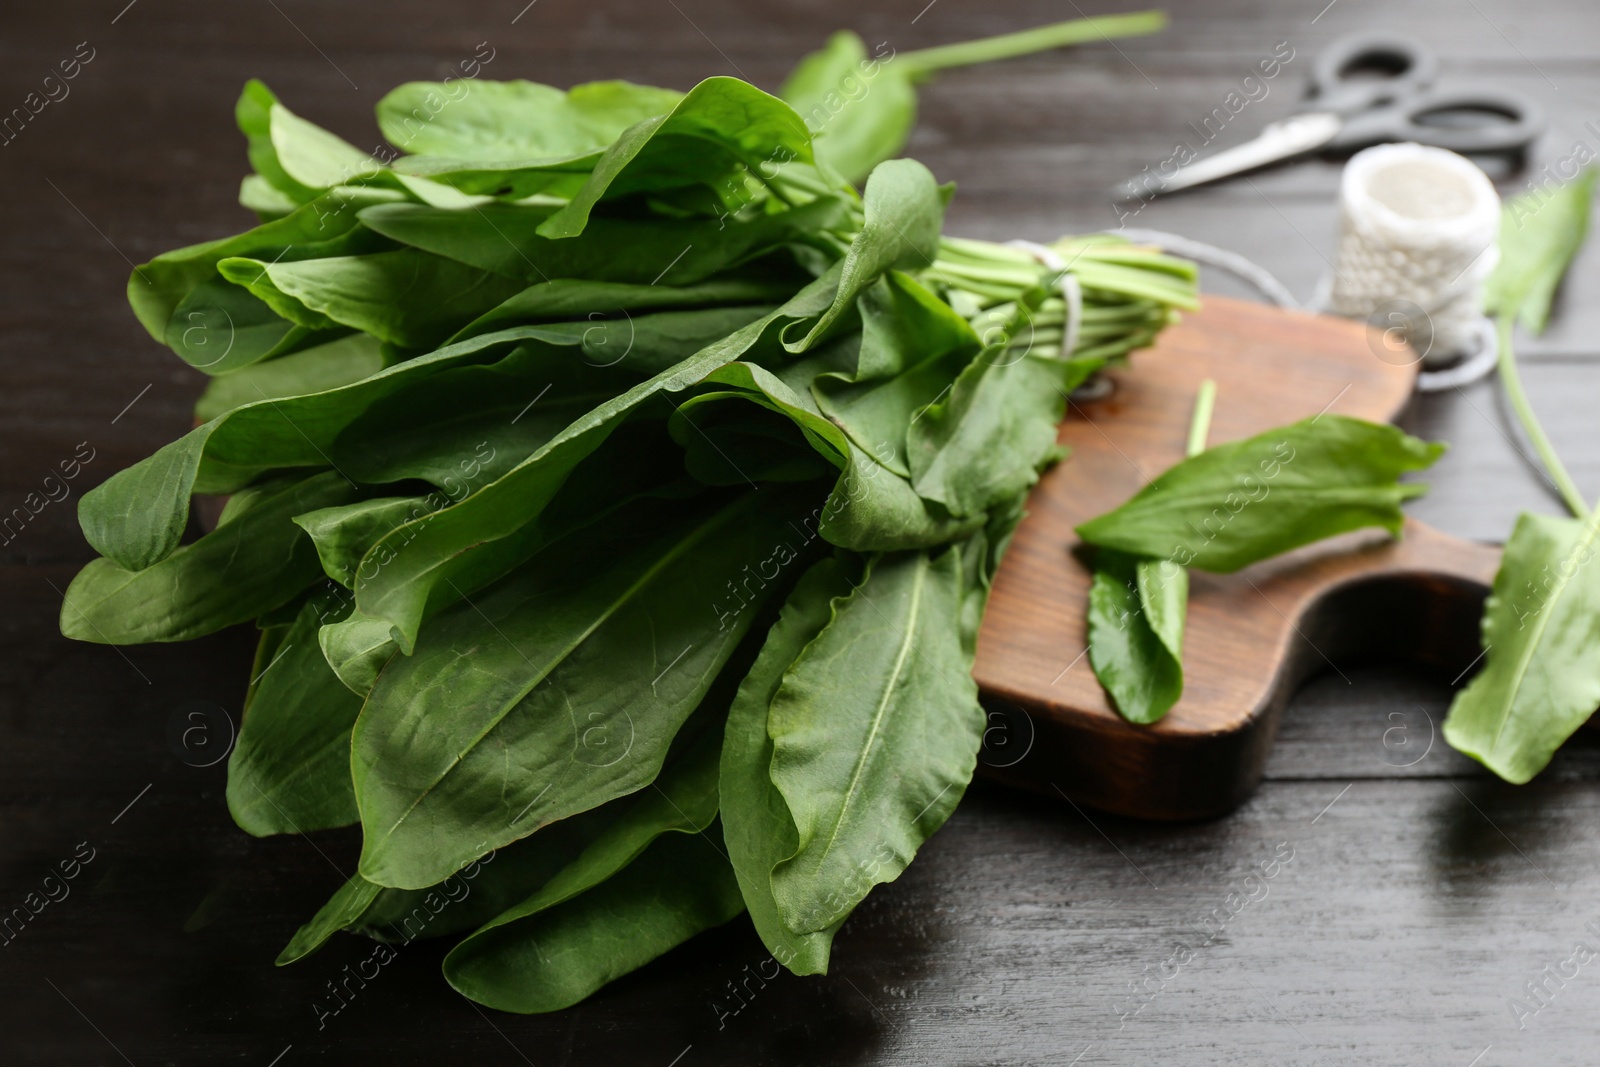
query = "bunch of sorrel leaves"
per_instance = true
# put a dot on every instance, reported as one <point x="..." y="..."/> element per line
<point x="616" y="489"/>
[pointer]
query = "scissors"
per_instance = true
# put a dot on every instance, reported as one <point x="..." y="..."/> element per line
<point x="1369" y="89"/>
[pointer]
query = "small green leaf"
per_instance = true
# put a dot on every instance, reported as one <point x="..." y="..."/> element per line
<point x="1164" y="599"/>
<point x="719" y="126"/>
<point x="356" y="650"/>
<point x="315" y="158"/>
<point x="1141" y="673"/>
<point x="406" y="297"/>
<point x="986" y="442"/>
<point x="506" y="965"/>
<point x="1540" y="232"/>
<point x="346" y="907"/>
<point x="313" y="370"/>
<point x="903" y="209"/>
<point x="289" y="772"/>
<point x="1238" y="503"/>
<point x="343" y="534"/>
<point x="859" y="108"/>
<point x="756" y="822"/>
<point x="253" y="113"/>
<point x="259" y="195"/>
<point x="1541" y="625"/>
<point x="496" y="122"/>
<point x="875" y="732"/>
<point x="550" y="960"/>
<point x="326" y="226"/>
<point x="257" y="561"/>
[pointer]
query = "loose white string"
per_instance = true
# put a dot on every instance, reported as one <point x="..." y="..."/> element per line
<point x="1212" y="256"/>
<point x="1480" y="351"/>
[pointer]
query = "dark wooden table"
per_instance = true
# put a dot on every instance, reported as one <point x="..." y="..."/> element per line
<point x="1421" y="894"/>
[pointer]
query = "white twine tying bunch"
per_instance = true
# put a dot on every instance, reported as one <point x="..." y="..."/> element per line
<point x="1071" y="291"/>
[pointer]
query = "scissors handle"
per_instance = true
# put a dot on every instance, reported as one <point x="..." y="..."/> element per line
<point x="1487" y="121"/>
<point x="1369" y="70"/>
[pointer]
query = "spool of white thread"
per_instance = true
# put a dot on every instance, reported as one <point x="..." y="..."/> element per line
<point x="1416" y="240"/>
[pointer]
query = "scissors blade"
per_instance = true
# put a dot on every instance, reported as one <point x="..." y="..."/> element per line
<point x="1281" y="140"/>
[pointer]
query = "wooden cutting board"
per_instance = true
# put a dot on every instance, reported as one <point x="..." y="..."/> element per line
<point x="1253" y="636"/>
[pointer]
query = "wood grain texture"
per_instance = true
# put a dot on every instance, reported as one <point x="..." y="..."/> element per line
<point x="1422" y="899"/>
<point x="1253" y="636"/>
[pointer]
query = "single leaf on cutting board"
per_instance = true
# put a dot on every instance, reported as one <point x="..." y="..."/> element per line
<point x="1136" y="643"/>
<point x="1245" y="501"/>
<point x="1137" y="657"/>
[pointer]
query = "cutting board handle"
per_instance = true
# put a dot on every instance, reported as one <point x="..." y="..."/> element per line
<point x="1252" y="637"/>
<point x="1361" y="597"/>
